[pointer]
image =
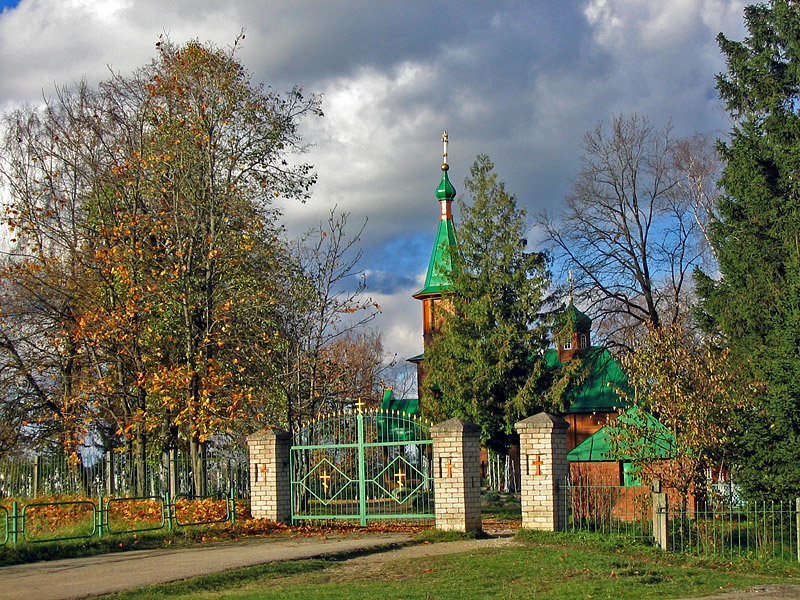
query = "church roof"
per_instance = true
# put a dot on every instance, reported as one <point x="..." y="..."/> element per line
<point x="440" y="266"/>
<point x="598" y="447"/>
<point x="598" y="392"/>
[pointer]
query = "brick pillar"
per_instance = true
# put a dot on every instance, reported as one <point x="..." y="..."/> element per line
<point x="270" y="492"/>
<point x="543" y="469"/>
<point x="457" y="475"/>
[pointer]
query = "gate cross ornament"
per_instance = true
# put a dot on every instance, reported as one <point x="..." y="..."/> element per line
<point x="400" y="476"/>
<point x="325" y="477"/>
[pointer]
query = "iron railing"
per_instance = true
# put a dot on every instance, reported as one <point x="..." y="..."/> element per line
<point x="115" y="475"/>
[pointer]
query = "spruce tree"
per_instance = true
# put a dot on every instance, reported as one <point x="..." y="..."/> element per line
<point x="755" y="304"/>
<point x="485" y="361"/>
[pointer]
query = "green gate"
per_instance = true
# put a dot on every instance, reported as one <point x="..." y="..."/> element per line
<point x="364" y="466"/>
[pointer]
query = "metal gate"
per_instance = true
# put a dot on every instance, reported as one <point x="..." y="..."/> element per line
<point x="364" y="466"/>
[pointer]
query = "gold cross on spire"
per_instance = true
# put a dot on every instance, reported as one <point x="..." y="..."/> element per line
<point x="444" y="153"/>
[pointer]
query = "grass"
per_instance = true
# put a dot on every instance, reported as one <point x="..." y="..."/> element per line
<point x="546" y="567"/>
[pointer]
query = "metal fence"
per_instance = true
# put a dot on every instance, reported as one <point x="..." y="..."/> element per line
<point x="83" y="518"/>
<point x="716" y="525"/>
<point x="115" y="474"/>
<point x="600" y="506"/>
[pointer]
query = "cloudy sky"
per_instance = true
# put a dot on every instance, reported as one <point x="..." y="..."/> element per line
<point x="520" y="81"/>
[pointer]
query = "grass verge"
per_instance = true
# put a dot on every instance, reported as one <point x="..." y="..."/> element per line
<point x="545" y="567"/>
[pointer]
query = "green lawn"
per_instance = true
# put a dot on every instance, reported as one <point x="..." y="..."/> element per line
<point x="545" y="568"/>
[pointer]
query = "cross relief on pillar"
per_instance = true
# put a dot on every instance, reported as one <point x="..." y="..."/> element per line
<point x="537" y="463"/>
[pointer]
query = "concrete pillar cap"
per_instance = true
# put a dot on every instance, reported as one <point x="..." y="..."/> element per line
<point x="542" y="420"/>
<point x="270" y="433"/>
<point x="456" y="425"/>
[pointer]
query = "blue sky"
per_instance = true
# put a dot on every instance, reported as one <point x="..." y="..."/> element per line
<point x="520" y="81"/>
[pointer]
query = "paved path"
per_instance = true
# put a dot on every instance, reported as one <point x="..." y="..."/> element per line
<point x="103" y="574"/>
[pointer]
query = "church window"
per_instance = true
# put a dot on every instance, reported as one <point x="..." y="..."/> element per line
<point x="568" y="345"/>
<point x="583" y="341"/>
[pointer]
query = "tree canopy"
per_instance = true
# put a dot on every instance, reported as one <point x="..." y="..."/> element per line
<point x="149" y="298"/>
<point x="755" y="303"/>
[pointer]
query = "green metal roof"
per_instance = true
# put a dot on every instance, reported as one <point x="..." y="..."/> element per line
<point x="440" y="266"/>
<point x="598" y="393"/>
<point x="410" y="406"/>
<point x="597" y="447"/>
<point x="395" y="421"/>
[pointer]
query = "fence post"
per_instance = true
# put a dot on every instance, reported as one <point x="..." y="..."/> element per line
<point x="457" y="475"/>
<point x="270" y="480"/>
<point x="37" y="475"/>
<point x="14" y="523"/>
<point x="172" y="472"/>
<point x="660" y="534"/>
<point x="543" y="471"/>
<point x="111" y="483"/>
<point x="797" y="522"/>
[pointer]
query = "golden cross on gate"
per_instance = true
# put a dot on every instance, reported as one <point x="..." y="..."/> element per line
<point x="538" y="462"/>
<point x="360" y="405"/>
<point x="325" y="477"/>
<point x="449" y="466"/>
<point x="400" y="476"/>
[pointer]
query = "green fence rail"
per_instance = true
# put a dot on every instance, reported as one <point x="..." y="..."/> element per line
<point x="764" y="530"/>
<point x="41" y="522"/>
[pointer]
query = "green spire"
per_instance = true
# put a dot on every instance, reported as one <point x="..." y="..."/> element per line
<point x="440" y="266"/>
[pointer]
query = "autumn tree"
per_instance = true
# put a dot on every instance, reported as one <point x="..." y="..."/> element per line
<point x="485" y="360"/>
<point x="753" y="304"/>
<point x="684" y="394"/>
<point x="632" y="228"/>
<point x="142" y="210"/>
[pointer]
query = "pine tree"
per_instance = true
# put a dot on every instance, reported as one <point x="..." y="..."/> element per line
<point x="486" y="359"/>
<point x="756" y="302"/>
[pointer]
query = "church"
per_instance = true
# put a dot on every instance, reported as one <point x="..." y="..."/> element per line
<point x="592" y="403"/>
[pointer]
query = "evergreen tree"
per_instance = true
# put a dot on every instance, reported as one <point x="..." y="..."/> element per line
<point x="486" y="359"/>
<point x="755" y="303"/>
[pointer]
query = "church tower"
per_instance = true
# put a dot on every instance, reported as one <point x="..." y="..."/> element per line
<point x="573" y="331"/>
<point x="437" y="281"/>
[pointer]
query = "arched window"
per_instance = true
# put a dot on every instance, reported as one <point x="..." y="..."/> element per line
<point x="583" y="341"/>
<point x="568" y="345"/>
